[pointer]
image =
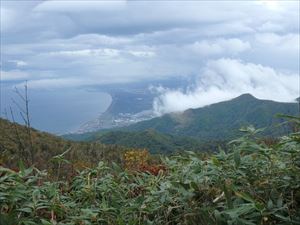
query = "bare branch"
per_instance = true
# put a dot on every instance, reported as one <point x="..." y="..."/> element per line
<point x="20" y="143"/>
<point x="18" y="106"/>
<point x="23" y="117"/>
<point x="24" y="113"/>
<point x="19" y="94"/>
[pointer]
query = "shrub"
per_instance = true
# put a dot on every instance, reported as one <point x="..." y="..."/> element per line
<point x="253" y="183"/>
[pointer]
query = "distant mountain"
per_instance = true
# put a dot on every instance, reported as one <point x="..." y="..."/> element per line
<point x="222" y="120"/>
<point x="202" y="128"/>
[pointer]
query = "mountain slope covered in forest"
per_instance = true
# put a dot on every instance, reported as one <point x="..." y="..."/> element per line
<point x="199" y="129"/>
<point x="223" y="120"/>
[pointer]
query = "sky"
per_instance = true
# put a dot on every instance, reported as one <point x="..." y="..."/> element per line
<point x="65" y="48"/>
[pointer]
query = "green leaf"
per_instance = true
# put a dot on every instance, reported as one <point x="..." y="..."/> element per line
<point x="194" y="186"/>
<point x="240" y="210"/>
<point x="215" y="161"/>
<point x="26" y="210"/>
<point x="270" y="204"/>
<point x="21" y="166"/>
<point x="45" y="222"/>
<point x="279" y="202"/>
<point x="227" y="193"/>
<point x="237" y="157"/>
<point x="245" y="196"/>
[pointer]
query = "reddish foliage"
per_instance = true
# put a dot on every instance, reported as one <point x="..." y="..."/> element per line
<point x="16" y="169"/>
<point x="139" y="160"/>
<point x="153" y="169"/>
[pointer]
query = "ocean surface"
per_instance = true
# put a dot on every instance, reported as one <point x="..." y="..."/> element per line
<point x="60" y="111"/>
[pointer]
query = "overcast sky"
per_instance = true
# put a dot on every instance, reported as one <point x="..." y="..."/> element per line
<point x="230" y="47"/>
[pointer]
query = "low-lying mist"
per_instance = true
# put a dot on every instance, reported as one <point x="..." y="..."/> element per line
<point x="224" y="79"/>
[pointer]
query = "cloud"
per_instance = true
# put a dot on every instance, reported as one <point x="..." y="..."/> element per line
<point x="281" y="51"/>
<point x="129" y="17"/>
<point x="71" y="45"/>
<point x="226" y="78"/>
<point x="287" y="42"/>
<point x="7" y="18"/>
<point x="143" y="54"/>
<point x="102" y="52"/>
<point x="14" y="75"/>
<point x="80" y="6"/>
<point x="106" y="59"/>
<point x="106" y="52"/>
<point x="270" y="27"/>
<point x="18" y="63"/>
<point x="76" y="82"/>
<point x="96" y="42"/>
<point x="97" y="39"/>
<point x="54" y="83"/>
<point x="13" y="14"/>
<point x="220" y="46"/>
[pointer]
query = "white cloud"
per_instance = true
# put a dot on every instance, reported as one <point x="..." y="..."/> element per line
<point x="53" y="83"/>
<point x="18" y="63"/>
<point x="14" y="75"/>
<point x="143" y="54"/>
<point x="103" y="52"/>
<point x="8" y="17"/>
<point x="87" y="52"/>
<point x="271" y="5"/>
<point x="74" y="82"/>
<point x="220" y="46"/>
<point x="116" y="41"/>
<point x="96" y="39"/>
<point x="227" y="28"/>
<point x="287" y="42"/>
<point x="79" y="6"/>
<point x="228" y="78"/>
<point x="270" y="27"/>
<point x="280" y="51"/>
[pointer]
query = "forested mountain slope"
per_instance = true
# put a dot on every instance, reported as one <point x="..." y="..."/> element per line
<point x="223" y="120"/>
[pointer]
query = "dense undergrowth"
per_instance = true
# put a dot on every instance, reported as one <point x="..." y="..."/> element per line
<point x="252" y="183"/>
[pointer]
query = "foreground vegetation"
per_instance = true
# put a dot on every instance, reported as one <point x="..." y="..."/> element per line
<point x="15" y="145"/>
<point x="252" y="183"/>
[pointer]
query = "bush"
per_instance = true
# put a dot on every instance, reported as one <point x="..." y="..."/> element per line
<point x="253" y="183"/>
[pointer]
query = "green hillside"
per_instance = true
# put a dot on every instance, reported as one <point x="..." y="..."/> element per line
<point x="15" y="146"/>
<point x="223" y="120"/>
<point x="203" y="129"/>
<point x="151" y="140"/>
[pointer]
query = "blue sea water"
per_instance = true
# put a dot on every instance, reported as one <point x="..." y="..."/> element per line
<point x="57" y="111"/>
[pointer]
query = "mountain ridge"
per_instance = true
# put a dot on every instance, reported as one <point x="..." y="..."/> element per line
<point x="215" y="123"/>
<point x="231" y="114"/>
